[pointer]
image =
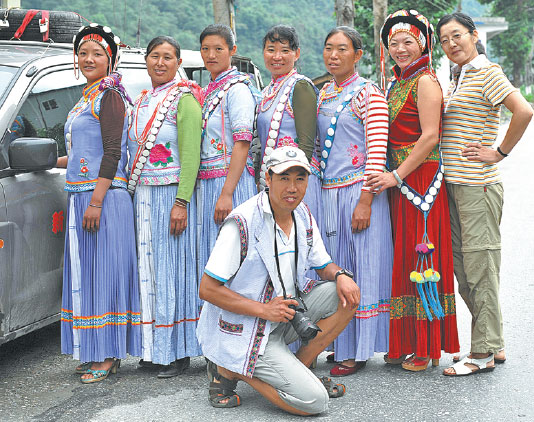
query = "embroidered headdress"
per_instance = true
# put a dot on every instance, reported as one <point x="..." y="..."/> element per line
<point x="103" y="36"/>
<point x="411" y="22"/>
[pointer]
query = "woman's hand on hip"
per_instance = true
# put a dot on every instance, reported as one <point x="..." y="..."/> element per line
<point x="476" y="152"/>
<point x="222" y="208"/>
<point x="178" y="220"/>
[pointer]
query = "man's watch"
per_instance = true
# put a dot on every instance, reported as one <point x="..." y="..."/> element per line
<point x="343" y="271"/>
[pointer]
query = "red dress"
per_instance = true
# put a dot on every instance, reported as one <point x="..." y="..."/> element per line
<point x="410" y="329"/>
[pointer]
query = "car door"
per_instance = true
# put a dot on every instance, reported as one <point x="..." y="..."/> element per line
<point x="35" y="202"/>
<point x="6" y="234"/>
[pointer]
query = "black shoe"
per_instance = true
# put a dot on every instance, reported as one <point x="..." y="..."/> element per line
<point x="174" y="369"/>
<point x="146" y="364"/>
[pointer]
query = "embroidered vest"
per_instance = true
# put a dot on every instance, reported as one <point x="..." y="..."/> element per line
<point x="276" y="122"/>
<point x="344" y="156"/>
<point x="84" y="142"/>
<point x="163" y="164"/>
<point x="217" y="134"/>
<point x="235" y="341"/>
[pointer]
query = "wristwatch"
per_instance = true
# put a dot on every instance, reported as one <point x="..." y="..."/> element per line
<point x="343" y="271"/>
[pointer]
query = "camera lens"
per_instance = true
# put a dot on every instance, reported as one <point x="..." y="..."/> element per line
<point x="303" y="325"/>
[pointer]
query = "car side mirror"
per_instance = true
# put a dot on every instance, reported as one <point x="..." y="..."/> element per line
<point x="32" y="154"/>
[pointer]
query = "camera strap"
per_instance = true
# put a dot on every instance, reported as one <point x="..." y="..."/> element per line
<point x="276" y="253"/>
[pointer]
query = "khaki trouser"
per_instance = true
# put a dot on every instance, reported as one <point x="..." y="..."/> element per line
<point x="280" y="368"/>
<point x="476" y="244"/>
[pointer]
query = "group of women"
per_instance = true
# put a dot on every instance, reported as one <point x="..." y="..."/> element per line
<point x="134" y="291"/>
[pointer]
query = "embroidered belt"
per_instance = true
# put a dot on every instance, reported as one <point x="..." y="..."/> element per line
<point x="397" y="155"/>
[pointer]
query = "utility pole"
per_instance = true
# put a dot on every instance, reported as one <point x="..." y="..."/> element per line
<point x="380" y="10"/>
<point x="223" y="12"/>
<point x="344" y="10"/>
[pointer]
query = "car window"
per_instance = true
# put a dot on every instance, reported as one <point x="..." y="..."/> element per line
<point x="6" y="74"/>
<point x="44" y="112"/>
<point x="135" y="80"/>
<point x="200" y="76"/>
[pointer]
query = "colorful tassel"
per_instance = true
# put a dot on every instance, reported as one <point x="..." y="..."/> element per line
<point x="427" y="278"/>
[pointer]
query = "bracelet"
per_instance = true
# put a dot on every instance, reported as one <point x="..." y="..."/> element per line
<point x="180" y="202"/>
<point x="500" y="152"/>
<point x="96" y="206"/>
<point x="397" y="177"/>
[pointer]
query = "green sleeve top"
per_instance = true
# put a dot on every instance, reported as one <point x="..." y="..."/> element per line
<point x="304" y="105"/>
<point x="189" y="127"/>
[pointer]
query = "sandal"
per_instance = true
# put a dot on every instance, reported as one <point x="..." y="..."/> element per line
<point x="101" y="374"/>
<point x="334" y="390"/>
<point x="461" y="370"/>
<point x="222" y="390"/>
<point x="392" y="361"/>
<point x="416" y="363"/>
<point x="82" y="368"/>
<point x="456" y="358"/>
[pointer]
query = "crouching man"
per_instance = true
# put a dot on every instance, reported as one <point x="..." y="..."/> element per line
<point x="251" y="281"/>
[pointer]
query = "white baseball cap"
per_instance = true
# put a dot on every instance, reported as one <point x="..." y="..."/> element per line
<point x="286" y="157"/>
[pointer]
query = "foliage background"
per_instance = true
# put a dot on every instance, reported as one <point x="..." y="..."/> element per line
<point x="185" y="19"/>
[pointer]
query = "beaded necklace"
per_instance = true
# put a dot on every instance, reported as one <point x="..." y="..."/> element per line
<point x="337" y="89"/>
<point x="148" y="138"/>
<point x="274" y="131"/>
<point x="164" y="104"/>
<point x="272" y="90"/>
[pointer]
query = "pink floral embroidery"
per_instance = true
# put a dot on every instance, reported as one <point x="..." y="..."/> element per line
<point x="358" y="159"/>
<point x="286" y="141"/>
<point x="161" y="155"/>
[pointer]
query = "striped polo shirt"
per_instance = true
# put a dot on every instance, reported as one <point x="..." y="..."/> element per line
<point x="472" y="114"/>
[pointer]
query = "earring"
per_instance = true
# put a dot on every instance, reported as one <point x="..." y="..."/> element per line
<point x="76" y="69"/>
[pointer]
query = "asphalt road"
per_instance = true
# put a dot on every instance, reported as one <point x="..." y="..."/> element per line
<point x="38" y="383"/>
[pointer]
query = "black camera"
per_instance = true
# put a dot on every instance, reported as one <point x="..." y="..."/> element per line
<point x="303" y="325"/>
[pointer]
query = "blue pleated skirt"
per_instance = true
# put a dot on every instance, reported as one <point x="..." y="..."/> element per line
<point x="168" y="276"/>
<point x="207" y="196"/>
<point x="313" y="199"/>
<point x="100" y="315"/>
<point x="369" y="255"/>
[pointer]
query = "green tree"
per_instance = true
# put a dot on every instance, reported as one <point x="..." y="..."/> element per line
<point x="185" y="19"/>
<point x="515" y="46"/>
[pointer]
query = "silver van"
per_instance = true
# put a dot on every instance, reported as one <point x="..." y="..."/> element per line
<point x="37" y="90"/>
